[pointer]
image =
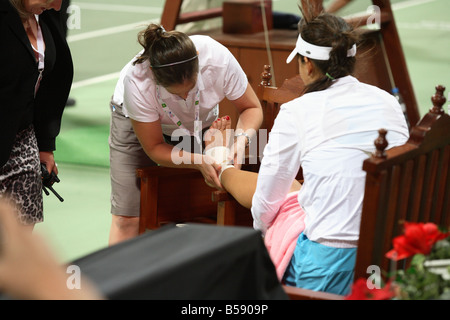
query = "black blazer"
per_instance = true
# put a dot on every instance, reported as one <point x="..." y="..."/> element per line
<point x="18" y="74"/>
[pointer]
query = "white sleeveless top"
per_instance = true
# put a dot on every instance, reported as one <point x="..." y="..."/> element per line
<point x="40" y="52"/>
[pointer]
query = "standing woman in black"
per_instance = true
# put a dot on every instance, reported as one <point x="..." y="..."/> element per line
<point x="36" y="73"/>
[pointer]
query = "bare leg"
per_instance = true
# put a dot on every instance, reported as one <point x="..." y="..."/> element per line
<point x="123" y="228"/>
<point x="240" y="184"/>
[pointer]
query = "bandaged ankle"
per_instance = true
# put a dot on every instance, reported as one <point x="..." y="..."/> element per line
<point x="219" y="154"/>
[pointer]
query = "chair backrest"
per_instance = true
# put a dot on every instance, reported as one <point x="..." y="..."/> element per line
<point x="406" y="183"/>
<point x="272" y="98"/>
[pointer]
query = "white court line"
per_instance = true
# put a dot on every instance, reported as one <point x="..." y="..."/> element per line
<point x="395" y="7"/>
<point x="410" y="3"/>
<point x="425" y="25"/>
<point x="95" y="80"/>
<point x="110" y="31"/>
<point x="118" y="8"/>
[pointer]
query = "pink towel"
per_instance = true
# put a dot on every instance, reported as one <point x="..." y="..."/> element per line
<point x="281" y="237"/>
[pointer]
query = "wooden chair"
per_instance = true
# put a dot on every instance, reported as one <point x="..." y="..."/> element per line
<point x="171" y="195"/>
<point x="160" y="204"/>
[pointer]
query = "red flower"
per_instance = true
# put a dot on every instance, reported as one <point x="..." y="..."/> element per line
<point x="360" y="291"/>
<point x="418" y="238"/>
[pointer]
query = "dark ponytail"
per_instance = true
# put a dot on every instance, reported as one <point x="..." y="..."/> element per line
<point x="162" y="48"/>
<point x="328" y="30"/>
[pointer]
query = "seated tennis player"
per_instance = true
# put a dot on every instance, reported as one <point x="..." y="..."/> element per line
<point x="312" y="230"/>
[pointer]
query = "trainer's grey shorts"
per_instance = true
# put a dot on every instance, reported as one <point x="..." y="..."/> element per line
<point x="126" y="155"/>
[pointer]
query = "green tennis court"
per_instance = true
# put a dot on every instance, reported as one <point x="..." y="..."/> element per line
<point x="103" y="39"/>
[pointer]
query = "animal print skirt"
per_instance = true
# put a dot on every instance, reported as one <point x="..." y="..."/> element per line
<point x="20" y="178"/>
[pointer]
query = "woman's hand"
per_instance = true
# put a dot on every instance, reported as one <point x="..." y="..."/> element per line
<point x="47" y="158"/>
<point x="210" y="171"/>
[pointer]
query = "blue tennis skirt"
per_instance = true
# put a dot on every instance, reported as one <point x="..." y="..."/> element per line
<point x="321" y="268"/>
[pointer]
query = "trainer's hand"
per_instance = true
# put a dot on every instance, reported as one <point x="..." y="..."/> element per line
<point x="210" y="171"/>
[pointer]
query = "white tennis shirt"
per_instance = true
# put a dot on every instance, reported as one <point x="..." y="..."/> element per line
<point x="220" y="76"/>
<point x="329" y="134"/>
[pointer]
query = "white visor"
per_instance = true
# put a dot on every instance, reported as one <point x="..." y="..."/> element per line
<point x="315" y="52"/>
